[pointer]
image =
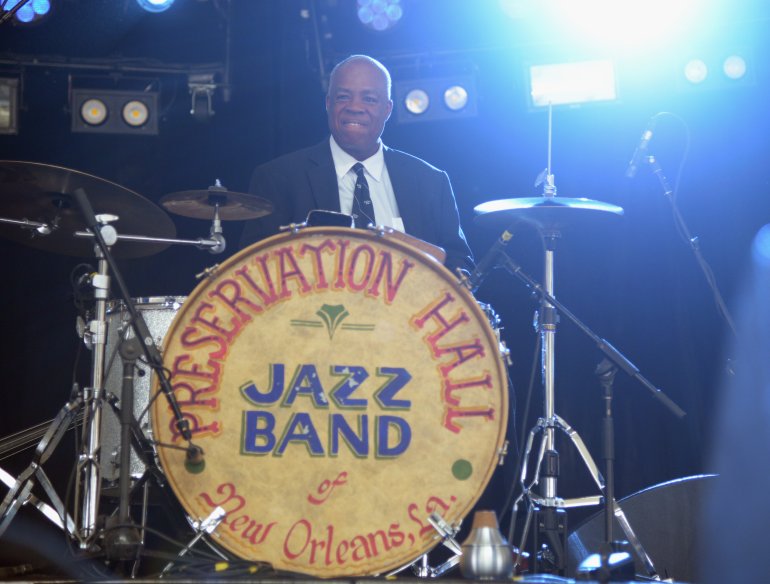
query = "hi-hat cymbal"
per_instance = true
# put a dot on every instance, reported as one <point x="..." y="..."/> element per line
<point x="545" y="212"/>
<point x="202" y="204"/>
<point x="44" y="193"/>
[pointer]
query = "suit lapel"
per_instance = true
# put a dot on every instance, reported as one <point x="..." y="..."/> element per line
<point x="323" y="178"/>
<point x="403" y="190"/>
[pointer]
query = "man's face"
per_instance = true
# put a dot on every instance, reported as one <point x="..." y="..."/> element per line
<point x="357" y="106"/>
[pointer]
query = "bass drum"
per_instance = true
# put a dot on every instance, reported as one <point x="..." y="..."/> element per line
<point x="343" y="387"/>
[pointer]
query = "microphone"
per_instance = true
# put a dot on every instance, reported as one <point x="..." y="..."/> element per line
<point x="641" y="148"/>
<point x="489" y="261"/>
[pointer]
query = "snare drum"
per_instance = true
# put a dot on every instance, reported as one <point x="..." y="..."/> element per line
<point x="343" y="387"/>
<point x="158" y="312"/>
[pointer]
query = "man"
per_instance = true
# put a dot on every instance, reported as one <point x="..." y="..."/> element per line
<point x="407" y="193"/>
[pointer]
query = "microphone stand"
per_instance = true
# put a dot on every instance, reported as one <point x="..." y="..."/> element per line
<point x="612" y="563"/>
<point x="692" y="242"/>
<point x="604" y="346"/>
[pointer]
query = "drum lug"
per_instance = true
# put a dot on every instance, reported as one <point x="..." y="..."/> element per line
<point x="209" y="272"/>
<point x="502" y="453"/>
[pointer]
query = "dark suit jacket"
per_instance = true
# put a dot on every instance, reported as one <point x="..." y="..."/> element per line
<point x="305" y="180"/>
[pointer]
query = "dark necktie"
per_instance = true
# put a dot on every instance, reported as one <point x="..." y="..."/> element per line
<point x="363" y="210"/>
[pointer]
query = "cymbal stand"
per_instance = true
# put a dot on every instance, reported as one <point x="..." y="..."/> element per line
<point x="88" y="483"/>
<point x="87" y="486"/>
<point x="548" y="509"/>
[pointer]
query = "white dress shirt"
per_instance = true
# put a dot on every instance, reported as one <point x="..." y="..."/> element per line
<point x="380" y="188"/>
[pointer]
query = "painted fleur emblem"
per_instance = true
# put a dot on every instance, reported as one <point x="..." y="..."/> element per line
<point x="331" y="317"/>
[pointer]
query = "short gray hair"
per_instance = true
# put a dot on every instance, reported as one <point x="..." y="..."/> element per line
<point x="365" y="59"/>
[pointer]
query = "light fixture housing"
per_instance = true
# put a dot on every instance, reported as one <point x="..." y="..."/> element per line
<point x="9" y="106"/>
<point x="435" y="98"/>
<point x="114" y="111"/>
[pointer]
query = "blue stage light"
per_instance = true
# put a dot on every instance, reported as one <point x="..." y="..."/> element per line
<point x="155" y="5"/>
<point x="41" y="7"/>
<point x="380" y="15"/>
<point x="30" y="13"/>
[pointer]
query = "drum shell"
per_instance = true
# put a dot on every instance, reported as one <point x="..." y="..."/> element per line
<point x="158" y="312"/>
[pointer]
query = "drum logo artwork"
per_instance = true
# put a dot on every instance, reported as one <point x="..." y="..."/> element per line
<point x="343" y="387"/>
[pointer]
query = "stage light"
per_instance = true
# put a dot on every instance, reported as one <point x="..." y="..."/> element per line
<point x="112" y="111"/>
<point x="435" y="98"/>
<point x="622" y="26"/>
<point x="94" y="112"/>
<point x="417" y="101"/>
<point x="135" y="113"/>
<point x="572" y="83"/>
<point x="456" y="97"/>
<point x="31" y="12"/>
<point x="155" y="5"/>
<point x="380" y="15"/>
<point x="9" y="109"/>
<point x="734" y="67"/>
<point x="696" y="71"/>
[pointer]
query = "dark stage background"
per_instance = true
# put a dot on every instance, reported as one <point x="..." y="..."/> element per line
<point x="632" y="279"/>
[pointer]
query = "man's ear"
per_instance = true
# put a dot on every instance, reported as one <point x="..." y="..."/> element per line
<point x="390" y="109"/>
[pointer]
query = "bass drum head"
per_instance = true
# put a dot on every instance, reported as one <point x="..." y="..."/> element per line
<point x="343" y="387"/>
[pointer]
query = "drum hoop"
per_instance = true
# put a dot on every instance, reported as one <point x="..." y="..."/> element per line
<point x="427" y="260"/>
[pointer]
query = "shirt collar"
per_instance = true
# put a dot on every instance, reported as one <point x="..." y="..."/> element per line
<point x="343" y="161"/>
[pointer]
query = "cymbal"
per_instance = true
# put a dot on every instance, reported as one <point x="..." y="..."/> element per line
<point x="545" y="212"/>
<point x="201" y="204"/>
<point x="44" y="193"/>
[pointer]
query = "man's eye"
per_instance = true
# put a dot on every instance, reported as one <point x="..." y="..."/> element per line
<point x="343" y="97"/>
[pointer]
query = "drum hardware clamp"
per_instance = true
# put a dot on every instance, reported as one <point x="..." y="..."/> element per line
<point x="201" y="528"/>
<point x="447" y="534"/>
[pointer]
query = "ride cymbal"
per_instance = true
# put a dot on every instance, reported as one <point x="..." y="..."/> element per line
<point x="44" y="193"/>
<point x="202" y="204"/>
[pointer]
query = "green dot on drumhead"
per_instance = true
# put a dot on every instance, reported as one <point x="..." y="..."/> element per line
<point x="195" y="467"/>
<point x="462" y="469"/>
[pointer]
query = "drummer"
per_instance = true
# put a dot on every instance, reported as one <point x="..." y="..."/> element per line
<point x="406" y="193"/>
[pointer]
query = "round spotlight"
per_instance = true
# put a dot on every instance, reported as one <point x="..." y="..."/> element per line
<point x="380" y="15"/>
<point x="734" y="67"/>
<point x="456" y="98"/>
<point x="696" y="71"/>
<point x="41" y="7"/>
<point x="155" y="5"/>
<point x="416" y="101"/>
<point x="135" y="113"/>
<point x="94" y="112"/>
<point x="30" y="13"/>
